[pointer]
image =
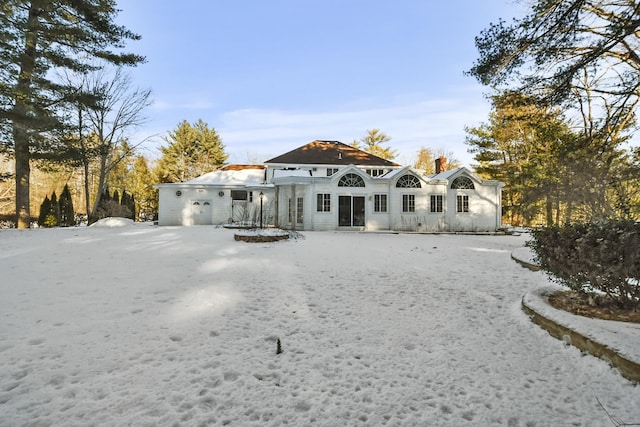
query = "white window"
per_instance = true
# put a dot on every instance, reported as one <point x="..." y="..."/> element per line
<point x="375" y="172"/>
<point x="436" y="203"/>
<point x="408" y="181"/>
<point x="379" y="202"/>
<point x="238" y="194"/>
<point x="462" y="203"/>
<point x="351" y="180"/>
<point x="408" y="203"/>
<point x="462" y="183"/>
<point x="331" y="171"/>
<point x="300" y="211"/>
<point x="324" y="202"/>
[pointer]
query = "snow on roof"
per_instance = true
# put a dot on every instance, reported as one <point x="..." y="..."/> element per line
<point x="231" y="176"/>
<point x="446" y="174"/>
<point x="393" y="173"/>
<point x="282" y="173"/>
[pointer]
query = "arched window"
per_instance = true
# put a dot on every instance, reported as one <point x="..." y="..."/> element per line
<point x="462" y="183"/>
<point x="408" y="181"/>
<point x="351" y="180"/>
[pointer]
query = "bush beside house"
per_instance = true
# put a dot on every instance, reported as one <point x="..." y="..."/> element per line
<point x="598" y="259"/>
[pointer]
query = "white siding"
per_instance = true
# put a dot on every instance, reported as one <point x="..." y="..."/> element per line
<point x="484" y="202"/>
<point x="178" y="210"/>
<point x="422" y="219"/>
<point x="170" y="212"/>
<point x="483" y="208"/>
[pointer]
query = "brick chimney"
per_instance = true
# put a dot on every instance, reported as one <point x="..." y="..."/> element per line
<point x="441" y="164"/>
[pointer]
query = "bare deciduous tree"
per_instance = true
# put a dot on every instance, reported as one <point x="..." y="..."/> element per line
<point x="105" y="118"/>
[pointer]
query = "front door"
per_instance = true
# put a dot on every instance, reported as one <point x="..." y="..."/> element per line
<point x="351" y="211"/>
<point x="239" y="211"/>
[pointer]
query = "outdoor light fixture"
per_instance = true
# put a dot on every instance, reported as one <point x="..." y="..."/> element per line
<point x="261" y="197"/>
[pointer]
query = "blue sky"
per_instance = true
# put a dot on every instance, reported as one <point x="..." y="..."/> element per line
<point x="271" y="76"/>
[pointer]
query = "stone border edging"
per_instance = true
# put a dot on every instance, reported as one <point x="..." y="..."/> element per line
<point x="260" y="238"/>
<point x="628" y="368"/>
<point x="525" y="264"/>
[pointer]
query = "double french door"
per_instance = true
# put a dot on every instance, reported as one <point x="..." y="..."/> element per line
<point x="351" y="211"/>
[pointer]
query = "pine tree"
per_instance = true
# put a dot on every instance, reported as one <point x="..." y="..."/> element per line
<point x="127" y="202"/>
<point x="193" y="150"/>
<point x="45" y="208"/>
<point x="141" y="186"/>
<point x="522" y="146"/>
<point x="67" y="214"/>
<point x="53" y="216"/>
<point x="106" y="196"/>
<point x="104" y="206"/>
<point x="132" y="207"/>
<point x="36" y="38"/>
<point x="372" y="144"/>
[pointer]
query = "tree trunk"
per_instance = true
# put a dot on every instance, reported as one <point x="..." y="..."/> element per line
<point x="102" y="175"/>
<point x="558" y="208"/>
<point x="87" y="202"/>
<point x="549" y="208"/>
<point x="23" y="170"/>
<point x="20" y="133"/>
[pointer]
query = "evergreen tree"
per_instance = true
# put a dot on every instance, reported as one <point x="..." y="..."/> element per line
<point x="581" y="55"/>
<point x="193" y="150"/>
<point x="132" y="207"/>
<point x="53" y="216"/>
<point x="104" y="206"/>
<point x="132" y="177"/>
<point x="141" y="185"/>
<point x="106" y="195"/>
<point x="36" y="38"/>
<point x="566" y="46"/>
<point x="371" y="143"/>
<point x="531" y="149"/>
<point x="127" y="202"/>
<point x="67" y="214"/>
<point x="45" y="208"/>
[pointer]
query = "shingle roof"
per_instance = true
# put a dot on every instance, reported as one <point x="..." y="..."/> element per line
<point x="236" y="167"/>
<point x="330" y="153"/>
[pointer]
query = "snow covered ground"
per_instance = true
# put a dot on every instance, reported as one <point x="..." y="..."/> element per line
<point x="147" y="325"/>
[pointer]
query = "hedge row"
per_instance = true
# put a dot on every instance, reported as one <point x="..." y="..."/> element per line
<point x="602" y="258"/>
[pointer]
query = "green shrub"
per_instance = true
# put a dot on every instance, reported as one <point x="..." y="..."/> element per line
<point x="50" y="221"/>
<point x="593" y="258"/>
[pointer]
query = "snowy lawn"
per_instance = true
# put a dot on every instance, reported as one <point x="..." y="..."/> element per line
<point x="144" y="325"/>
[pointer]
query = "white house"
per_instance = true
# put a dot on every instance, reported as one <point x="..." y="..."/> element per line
<point x="328" y="185"/>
